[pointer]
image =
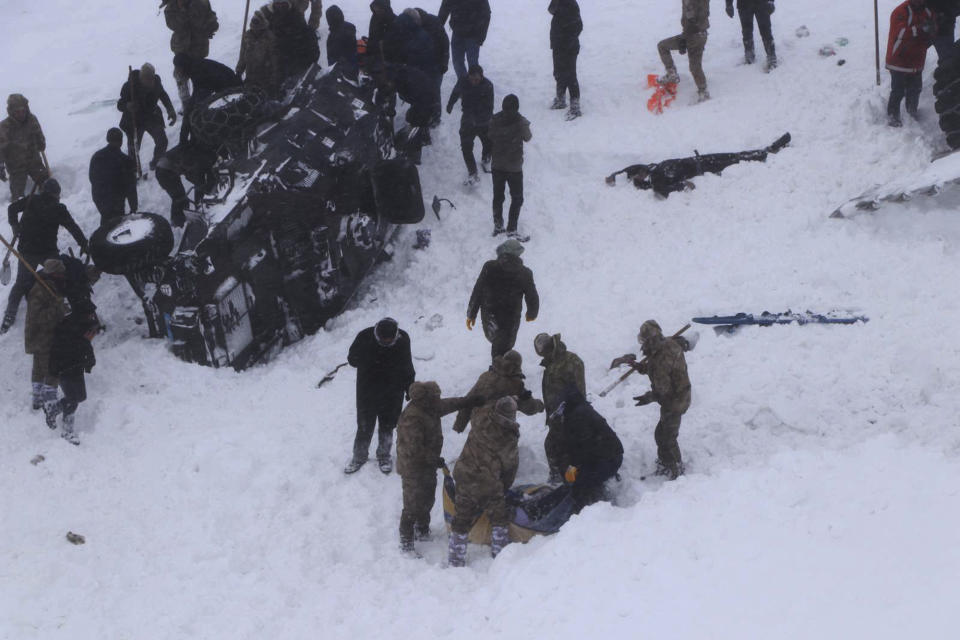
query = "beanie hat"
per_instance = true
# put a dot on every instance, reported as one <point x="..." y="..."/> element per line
<point x="475" y="69"/>
<point x="511" y="103"/>
<point x="115" y="136"/>
<point x="53" y="267"/>
<point x="649" y="329"/>
<point x="543" y="344"/>
<point x="334" y="16"/>
<point x="386" y="331"/>
<point x="511" y="247"/>
<point x="50" y="187"/>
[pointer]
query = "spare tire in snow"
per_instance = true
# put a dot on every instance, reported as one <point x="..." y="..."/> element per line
<point x="946" y="90"/>
<point x="129" y="243"/>
<point x="229" y="117"/>
<point x="396" y="191"/>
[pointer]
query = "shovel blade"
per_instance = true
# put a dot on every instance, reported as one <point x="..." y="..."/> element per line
<point x="5" y="273"/>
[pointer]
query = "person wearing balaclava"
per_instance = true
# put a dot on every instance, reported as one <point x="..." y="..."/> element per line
<point x="381" y="355"/>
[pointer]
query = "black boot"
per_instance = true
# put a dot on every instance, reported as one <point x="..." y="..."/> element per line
<point x="779" y="143"/>
<point x="748" y="55"/>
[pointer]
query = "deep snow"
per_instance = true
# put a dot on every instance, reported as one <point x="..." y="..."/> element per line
<point x="822" y="494"/>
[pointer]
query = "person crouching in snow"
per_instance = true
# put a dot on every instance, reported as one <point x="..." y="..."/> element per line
<point x="912" y="28"/>
<point x="419" y="443"/>
<point x="587" y="448"/>
<point x="71" y="355"/>
<point x="45" y="310"/>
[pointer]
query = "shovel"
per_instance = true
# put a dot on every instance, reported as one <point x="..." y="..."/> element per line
<point x="5" y="270"/>
<point x="330" y="376"/>
<point x="435" y="205"/>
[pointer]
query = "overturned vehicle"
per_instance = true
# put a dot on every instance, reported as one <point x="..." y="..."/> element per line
<point x="297" y="204"/>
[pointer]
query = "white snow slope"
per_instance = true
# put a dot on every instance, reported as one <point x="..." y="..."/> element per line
<point x="822" y="493"/>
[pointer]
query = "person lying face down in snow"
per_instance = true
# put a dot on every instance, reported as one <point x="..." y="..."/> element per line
<point x="674" y="175"/>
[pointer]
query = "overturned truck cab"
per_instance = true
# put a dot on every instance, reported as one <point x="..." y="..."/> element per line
<point x="288" y="222"/>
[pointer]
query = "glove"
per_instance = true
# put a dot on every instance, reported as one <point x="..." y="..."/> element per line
<point x="730" y="8"/>
<point x="441" y="463"/>
<point x="643" y="400"/>
<point x="406" y="395"/>
<point x="470" y="323"/>
<point x="171" y="117"/>
<point x="3" y="173"/>
<point x="682" y="49"/>
<point x="770" y="8"/>
<point x="626" y="358"/>
<point x="570" y="475"/>
<point x="449" y="107"/>
<point x="526" y="395"/>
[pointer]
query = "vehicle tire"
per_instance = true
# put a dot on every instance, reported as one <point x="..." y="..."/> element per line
<point x="229" y="117"/>
<point x="396" y="191"/>
<point x="129" y="243"/>
<point x="946" y="91"/>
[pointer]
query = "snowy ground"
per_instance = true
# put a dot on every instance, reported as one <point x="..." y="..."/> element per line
<point x="822" y="497"/>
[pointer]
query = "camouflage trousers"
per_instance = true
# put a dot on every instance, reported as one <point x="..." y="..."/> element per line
<point x="695" y="45"/>
<point x="41" y="370"/>
<point x="666" y="434"/>
<point x="19" y="175"/>
<point x="419" y="495"/>
<point x="472" y="500"/>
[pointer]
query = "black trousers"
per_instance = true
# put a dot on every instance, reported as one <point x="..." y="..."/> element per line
<point x="370" y="412"/>
<point x="500" y="180"/>
<point x="23" y="283"/>
<point x="565" y="72"/>
<point x="111" y="206"/>
<point x="74" y="391"/>
<point x="904" y="84"/>
<point x="500" y="331"/>
<point x="748" y="10"/>
<point x="152" y="124"/>
<point x="467" y="136"/>
<point x="590" y="478"/>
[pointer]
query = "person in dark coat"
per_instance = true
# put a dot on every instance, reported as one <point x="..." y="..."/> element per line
<point x="71" y="355"/>
<point x="761" y="10"/>
<point x="674" y="175"/>
<point x="381" y="19"/>
<point x="589" y="451"/>
<point x="407" y="43"/>
<point x="207" y="77"/>
<point x="565" y="28"/>
<point x="946" y="12"/>
<point x="113" y="178"/>
<point x="469" y="21"/>
<point x="342" y="41"/>
<point x="499" y="293"/>
<point x="416" y="89"/>
<point x="139" y="96"/>
<point x="441" y="53"/>
<point x="43" y="215"/>
<point x="297" y="44"/>
<point x="381" y="355"/>
<point x="508" y="131"/>
<point x="477" y="110"/>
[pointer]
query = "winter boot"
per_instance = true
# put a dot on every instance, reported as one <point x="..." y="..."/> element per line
<point x="457" y="550"/>
<point x="8" y="321"/>
<point x="68" y="433"/>
<point x="703" y="95"/>
<point x="574" y="111"/>
<point x="383" y="452"/>
<point x="498" y="229"/>
<point x="749" y="57"/>
<point x="51" y="406"/>
<point x="670" y="77"/>
<point x="37" y="396"/>
<point x="472" y="180"/>
<point x="779" y="143"/>
<point x="354" y="465"/>
<point x="894" y="120"/>
<point x="771" y="62"/>
<point x="499" y="538"/>
<point x="560" y="102"/>
<point x="406" y="546"/>
<point x="421" y="533"/>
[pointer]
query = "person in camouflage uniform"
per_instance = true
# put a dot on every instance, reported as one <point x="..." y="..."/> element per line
<point x="488" y="464"/>
<point x="670" y="387"/>
<point x="44" y="313"/>
<point x="258" y="58"/>
<point x="695" y="21"/>
<point x="21" y="145"/>
<point x="561" y="369"/>
<point x="419" y="443"/>
<point x="193" y="23"/>
<point x="499" y="293"/>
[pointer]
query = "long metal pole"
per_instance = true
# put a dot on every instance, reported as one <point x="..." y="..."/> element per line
<point x="876" y="37"/>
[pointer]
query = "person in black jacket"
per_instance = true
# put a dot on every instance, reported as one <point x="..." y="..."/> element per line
<point x="761" y="10"/>
<point x="342" y="42"/>
<point x="498" y="294"/>
<point x="207" y="77"/>
<point x="381" y="19"/>
<point x="138" y="103"/>
<point x="946" y="12"/>
<point x="669" y="176"/>
<point x="589" y="450"/>
<point x="416" y="89"/>
<point x="381" y="355"/>
<point x="565" y="28"/>
<point x="113" y="178"/>
<point x="297" y="44"/>
<point x="441" y="53"/>
<point x="477" y="110"/>
<point x="71" y="355"/>
<point x="43" y="215"/>
<point x="469" y="21"/>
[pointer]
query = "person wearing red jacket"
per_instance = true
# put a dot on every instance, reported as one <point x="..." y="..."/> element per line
<point x="912" y="27"/>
